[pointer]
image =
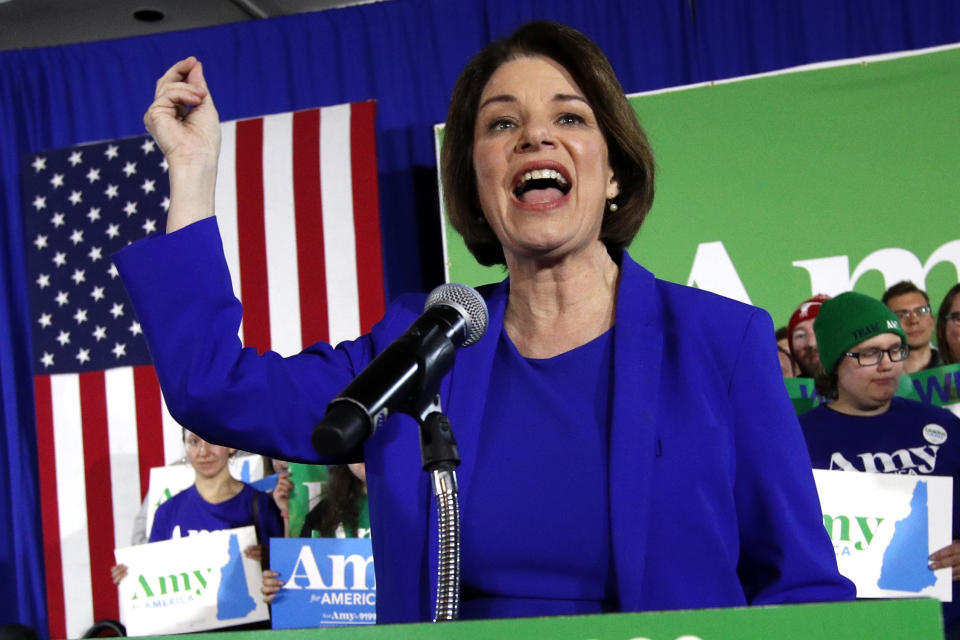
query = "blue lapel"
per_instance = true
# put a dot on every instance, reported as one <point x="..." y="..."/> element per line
<point x="637" y="361"/>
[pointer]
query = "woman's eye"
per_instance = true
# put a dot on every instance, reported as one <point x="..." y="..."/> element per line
<point x="500" y="124"/>
<point x="571" y="118"/>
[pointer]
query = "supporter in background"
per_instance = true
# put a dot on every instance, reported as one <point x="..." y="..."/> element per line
<point x="803" y="341"/>
<point x="281" y="492"/>
<point x="214" y="502"/>
<point x="863" y="350"/>
<point x="281" y="495"/>
<point x="788" y="365"/>
<point x="912" y="306"/>
<point x="948" y="326"/>
<point x="342" y="513"/>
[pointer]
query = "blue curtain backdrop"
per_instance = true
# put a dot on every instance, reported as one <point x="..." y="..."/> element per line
<point x="404" y="53"/>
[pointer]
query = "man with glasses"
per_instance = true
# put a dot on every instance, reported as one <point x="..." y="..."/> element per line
<point x="866" y="427"/>
<point x="912" y="306"/>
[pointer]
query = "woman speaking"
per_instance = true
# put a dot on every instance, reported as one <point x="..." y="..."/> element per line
<point x="627" y="443"/>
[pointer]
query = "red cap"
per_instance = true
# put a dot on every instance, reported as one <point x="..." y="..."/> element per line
<point x="808" y="310"/>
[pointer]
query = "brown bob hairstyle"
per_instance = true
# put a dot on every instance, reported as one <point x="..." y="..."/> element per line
<point x="631" y="157"/>
<point x="943" y="317"/>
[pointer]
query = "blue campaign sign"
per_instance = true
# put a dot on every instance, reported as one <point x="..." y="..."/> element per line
<point x="327" y="581"/>
<point x="266" y="484"/>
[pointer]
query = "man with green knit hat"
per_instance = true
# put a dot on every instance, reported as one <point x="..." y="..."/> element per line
<point x="847" y="321"/>
<point x="866" y="427"/>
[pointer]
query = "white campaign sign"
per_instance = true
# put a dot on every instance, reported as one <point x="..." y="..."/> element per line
<point x="884" y="527"/>
<point x="189" y="584"/>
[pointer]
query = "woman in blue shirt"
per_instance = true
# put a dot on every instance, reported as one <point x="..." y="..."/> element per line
<point x="215" y="501"/>
<point x="652" y="415"/>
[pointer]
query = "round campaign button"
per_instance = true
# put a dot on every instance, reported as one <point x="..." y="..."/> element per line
<point x="934" y="434"/>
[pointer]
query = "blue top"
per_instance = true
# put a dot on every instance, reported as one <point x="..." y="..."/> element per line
<point x="909" y="437"/>
<point x="192" y="514"/>
<point x="549" y="429"/>
<point x="711" y="496"/>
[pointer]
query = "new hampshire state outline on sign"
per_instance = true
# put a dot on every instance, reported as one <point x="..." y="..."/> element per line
<point x="231" y="602"/>
<point x="905" y="559"/>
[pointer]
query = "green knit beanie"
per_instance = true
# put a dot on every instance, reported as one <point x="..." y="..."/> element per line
<point x="849" y="319"/>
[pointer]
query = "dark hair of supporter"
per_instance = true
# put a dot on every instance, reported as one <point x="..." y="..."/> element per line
<point x="946" y="355"/>
<point x="902" y="288"/>
<point x="826" y="384"/>
<point x="342" y="504"/>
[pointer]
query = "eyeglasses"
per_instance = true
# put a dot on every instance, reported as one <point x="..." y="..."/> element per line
<point x="918" y="312"/>
<point x="954" y="317"/>
<point x="870" y="357"/>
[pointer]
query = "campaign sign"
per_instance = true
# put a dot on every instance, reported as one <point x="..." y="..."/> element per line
<point x="327" y="582"/>
<point x="190" y="584"/>
<point x="884" y="527"/>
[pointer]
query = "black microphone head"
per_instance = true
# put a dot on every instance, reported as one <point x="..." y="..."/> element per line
<point x="468" y="303"/>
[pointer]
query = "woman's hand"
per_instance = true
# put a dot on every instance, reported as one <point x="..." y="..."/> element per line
<point x="254" y="552"/>
<point x="184" y="122"/>
<point x="949" y="556"/>
<point x="118" y="572"/>
<point x="271" y="585"/>
<point x="281" y="493"/>
<point x="281" y="496"/>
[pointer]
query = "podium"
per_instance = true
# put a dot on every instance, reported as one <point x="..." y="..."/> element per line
<point x="875" y="619"/>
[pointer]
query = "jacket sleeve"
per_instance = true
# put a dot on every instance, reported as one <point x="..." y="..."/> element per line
<point x="180" y="288"/>
<point x="786" y="555"/>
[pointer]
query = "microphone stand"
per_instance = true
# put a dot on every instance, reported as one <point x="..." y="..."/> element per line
<point x="438" y="450"/>
<point x="440" y="457"/>
<point x="434" y="351"/>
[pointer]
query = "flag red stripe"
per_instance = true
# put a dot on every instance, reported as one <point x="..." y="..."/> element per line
<point x="251" y="237"/>
<point x="366" y="214"/>
<point x="308" y="212"/>
<point x="46" y="454"/>
<point x="149" y="406"/>
<point x="96" y="455"/>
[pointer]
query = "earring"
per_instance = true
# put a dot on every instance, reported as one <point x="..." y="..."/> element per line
<point x="612" y="206"/>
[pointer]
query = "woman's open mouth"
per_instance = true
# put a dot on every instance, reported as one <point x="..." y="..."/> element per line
<point x="541" y="186"/>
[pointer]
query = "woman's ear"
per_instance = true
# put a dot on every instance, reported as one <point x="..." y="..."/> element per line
<point x="613" y="188"/>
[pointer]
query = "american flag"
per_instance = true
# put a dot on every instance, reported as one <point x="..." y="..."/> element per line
<point x="297" y="207"/>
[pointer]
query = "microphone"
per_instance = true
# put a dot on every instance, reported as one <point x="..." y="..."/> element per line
<point x="406" y="373"/>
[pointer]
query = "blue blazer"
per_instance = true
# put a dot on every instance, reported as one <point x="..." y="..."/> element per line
<point x="711" y="491"/>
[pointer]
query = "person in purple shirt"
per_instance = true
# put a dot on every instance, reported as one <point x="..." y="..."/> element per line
<point x="215" y="501"/>
<point x="627" y="443"/>
<point x="863" y="350"/>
